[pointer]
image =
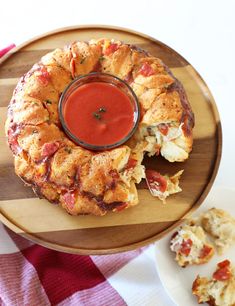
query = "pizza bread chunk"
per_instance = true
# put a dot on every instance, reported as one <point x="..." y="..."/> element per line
<point x="190" y="246"/>
<point x="219" y="290"/>
<point x="221" y="226"/>
<point x="162" y="186"/>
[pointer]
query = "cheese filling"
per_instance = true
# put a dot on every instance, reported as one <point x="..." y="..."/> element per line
<point x="170" y="143"/>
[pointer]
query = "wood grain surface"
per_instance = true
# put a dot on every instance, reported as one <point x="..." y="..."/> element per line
<point x="49" y="225"/>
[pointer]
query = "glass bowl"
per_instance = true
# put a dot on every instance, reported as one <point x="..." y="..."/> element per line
<point x="99" y="77"/>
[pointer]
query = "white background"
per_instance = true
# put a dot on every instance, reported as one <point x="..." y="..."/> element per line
<point x="201" y="31"/>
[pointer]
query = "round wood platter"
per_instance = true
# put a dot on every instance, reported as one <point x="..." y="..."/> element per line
<point x="49" y="225"/>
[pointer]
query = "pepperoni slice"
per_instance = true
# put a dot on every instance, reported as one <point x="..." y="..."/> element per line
<point x="186" y="247"/>
<point x="69" y="199"/>
<point x="155" y="181"/>
<point x="163" y="128"/>
<point x="121" y="207"/>
<point x="111" y="49"/>
<point x="146" y="70"/>
<point x="224" y="263"/>
<point x="131" y="163"/>
<point x="49" y="149"/>
<point x="205" y="251"/>
<point x="44" y="76"/>
<point x="222" y="274"/>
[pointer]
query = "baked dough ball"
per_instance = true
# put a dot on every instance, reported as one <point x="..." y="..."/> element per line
<point x="84" y="182"/>
<point x="218" y="290"/>
<point x="191" y="246"/>
<point x="221" y="226"/>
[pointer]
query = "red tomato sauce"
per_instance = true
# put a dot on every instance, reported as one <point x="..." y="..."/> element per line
<point x="99" y="113"/>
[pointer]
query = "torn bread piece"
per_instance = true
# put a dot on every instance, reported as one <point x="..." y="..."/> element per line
<point x="168" y="140"/>
<point x="162" y="186"/>
<point x="218" y="290"/>
<point x="221" y="226"/>
<point x="191" y="246"/>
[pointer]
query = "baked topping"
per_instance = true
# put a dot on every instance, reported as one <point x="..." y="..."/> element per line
<point x="49" y="149"/>
<point x="146" y="70"/>
<point x="43" y="75"/>
<point x="205" y="251"/>
<point x="185" y="247"/>
<point x="132" y="163"/>
<point x="111" y="49"/>
<point x="69" y="198"/>
<point x="156" y="182"/>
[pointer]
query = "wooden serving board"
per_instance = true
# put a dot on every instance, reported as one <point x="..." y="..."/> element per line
<point x="49" y="225"/>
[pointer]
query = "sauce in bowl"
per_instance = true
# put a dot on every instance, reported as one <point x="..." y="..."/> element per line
<point x="99" y="111"/>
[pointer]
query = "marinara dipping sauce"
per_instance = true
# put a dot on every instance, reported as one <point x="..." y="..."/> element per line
<point x="99" y="111"/>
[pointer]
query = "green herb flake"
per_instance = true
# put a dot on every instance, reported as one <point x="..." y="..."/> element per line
<point x="48" y="102"/>
<point x="102" y="110"/>
<point x="101" y="58"/>
<point x="35" y="132"/>
<point x="97" y="116"/>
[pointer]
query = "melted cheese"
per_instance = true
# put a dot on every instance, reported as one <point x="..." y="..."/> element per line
<point x="198" y="238"/>
<point x="172" y="152"/>
<point x="136" y="174"/>
<point x="173" y="145"/>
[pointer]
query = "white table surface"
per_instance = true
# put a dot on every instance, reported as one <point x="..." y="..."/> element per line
<point x="201" y="31"/>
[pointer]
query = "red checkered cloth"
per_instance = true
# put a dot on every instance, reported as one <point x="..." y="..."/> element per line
<point x="33" y="275"/>
<point x="7" y="49"/>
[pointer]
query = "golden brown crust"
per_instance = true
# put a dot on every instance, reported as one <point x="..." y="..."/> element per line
<point x="218" y="290"/>
<point x="166" y="107"/>
<point x="65" y="165"/>
<point x="32" y="139"/>
<point x="82" y="181"/>
<point x="221" y="226"/>
<point x="28" y="110"/>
